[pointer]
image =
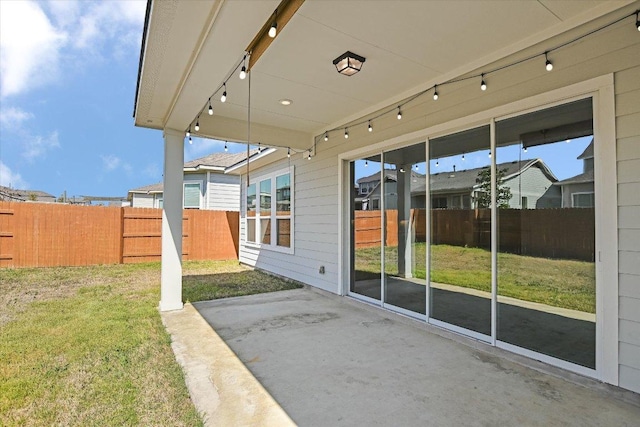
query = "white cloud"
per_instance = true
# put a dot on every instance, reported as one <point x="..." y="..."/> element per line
<point x="152" y="171"/>
<point x="29" y="47"/>
<point x="110" y="162"/>
<point x="35" y="146"/>
<point x="8" y="178"/>
<point x="12" y="118"/>
<point x="35" y="36"/>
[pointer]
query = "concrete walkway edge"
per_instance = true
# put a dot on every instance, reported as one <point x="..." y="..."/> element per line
<point x="222" y="389"/>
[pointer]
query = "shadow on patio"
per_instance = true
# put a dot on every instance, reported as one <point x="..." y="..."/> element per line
<point x="327" y="360"/>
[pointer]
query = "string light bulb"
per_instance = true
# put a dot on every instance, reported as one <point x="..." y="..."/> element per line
<point x="463" y="157"/>
<point x="226" y="148"/>
<point x="489" y="153"/>
<point x="309" y="156"/>
<point x="399" y="113"/>
<point x="437" y="163"/>
<point x="243" y="70"/>
<point x="483" y="84"/>
<point x="326" y="136"/>
<point x="197" y="126"/>
<point x="524" y="149"/>
<point x="638" y="20"/>
<point x="435" y="93"/>
<point x="548" y="65"/>
<point x="274" y="26"/>
<point x="223" y="98"/>
<point x="189" y="132"/>
<point x="346" y="133"/>
<point x="190" y="140"/>
<point x="370" y="127"/>
<point x="366" y="163"/>
<point x="289" y="152"/>
<point x="210" y="109"/>
<point x="417" y="166"/>
<point x="259" y="148"/>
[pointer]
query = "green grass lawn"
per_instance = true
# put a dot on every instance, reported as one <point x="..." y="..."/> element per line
<point x="86" y="345"/>
<point x="560" y="283"/>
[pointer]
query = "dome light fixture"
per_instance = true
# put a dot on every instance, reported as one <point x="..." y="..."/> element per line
<point x="349" y="63"/>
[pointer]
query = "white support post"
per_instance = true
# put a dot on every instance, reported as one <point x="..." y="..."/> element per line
<point x="171" y="270"/>
<point x="405" y="257"/>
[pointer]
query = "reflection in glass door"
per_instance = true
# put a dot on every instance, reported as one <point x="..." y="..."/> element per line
<point x="460" y="247"/>
<point x="404" y="229"/>
<point x="546" y="227"/>
<point x="366" y="242"/>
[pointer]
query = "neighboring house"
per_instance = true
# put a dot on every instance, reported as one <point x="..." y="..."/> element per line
<point x="531" y="183"/>
<point x="578" y="191"/>
<point x="494" y="93"/>
<point x="14" y="195"/>
<point x="207" y="185"/>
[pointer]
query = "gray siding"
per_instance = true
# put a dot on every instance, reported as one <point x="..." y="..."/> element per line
<point x="223" y="193"/>
<point x="142" y="200"/>
<point x="533" y="184"/>
<point x="627" y="87"/>
<point x="569" y="189"/>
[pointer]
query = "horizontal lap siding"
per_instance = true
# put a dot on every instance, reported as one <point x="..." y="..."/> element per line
<point x="315" y="223"/>
<point x="223" y="192"/>
<point x="627" y="87"/>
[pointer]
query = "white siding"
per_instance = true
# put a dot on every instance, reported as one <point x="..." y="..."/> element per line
<point x="142" y="200"/>
<point x="223" y="192"/>
<point x="627" y="87"/>
<point x="533" y="185"/>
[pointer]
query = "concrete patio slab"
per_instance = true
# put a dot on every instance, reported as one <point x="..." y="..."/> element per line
<point x="328" y="360"/>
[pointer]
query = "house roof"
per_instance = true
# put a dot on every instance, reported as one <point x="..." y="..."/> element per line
<point x="583" y="178"/>
<point x="388" y="173"/>
<point x="588" y="152"/>
<point x="219" y="160"/>
<point x="7" y="193"/>
<point x="222" y="162"/>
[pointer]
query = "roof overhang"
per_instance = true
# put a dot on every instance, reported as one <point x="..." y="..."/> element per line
<point x="191" y="48"/>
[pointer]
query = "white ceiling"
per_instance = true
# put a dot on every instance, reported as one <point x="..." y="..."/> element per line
<point x="408" y="46"/>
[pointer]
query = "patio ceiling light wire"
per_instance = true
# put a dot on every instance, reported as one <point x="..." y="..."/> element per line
<point x="369" y="119"/>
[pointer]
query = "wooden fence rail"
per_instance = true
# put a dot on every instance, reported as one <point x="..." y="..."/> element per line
<point x="551" y="233"/>
<point x="47" y="235"/>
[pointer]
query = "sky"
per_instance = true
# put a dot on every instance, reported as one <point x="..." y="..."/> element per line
<point x="68" y="72"/>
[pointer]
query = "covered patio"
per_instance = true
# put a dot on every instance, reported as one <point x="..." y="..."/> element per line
<point x="315" y="359"/>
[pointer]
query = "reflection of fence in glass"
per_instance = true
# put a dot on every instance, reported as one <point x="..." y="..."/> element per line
<point x="549" y="233"/>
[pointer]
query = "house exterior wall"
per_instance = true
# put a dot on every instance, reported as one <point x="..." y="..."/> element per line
<point x="569" y="189"/>
<point x="142" y="200"/>
<point x="317" y="192"/>
<point x="536" y="187"/>
<point x="223" y="193"/>
<point x="627" y="89"/>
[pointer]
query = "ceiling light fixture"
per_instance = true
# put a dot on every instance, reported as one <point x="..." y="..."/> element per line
<point x="548" y="64"/>
<point x="348" y="63"/>
<point x="285" y="102"/>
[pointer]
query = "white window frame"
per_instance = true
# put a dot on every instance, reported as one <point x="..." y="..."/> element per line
<point x="273" y="246"/>
<point x="573" y="200"/>
<point x="184" y="184"/>
<point x="601" y="90"/>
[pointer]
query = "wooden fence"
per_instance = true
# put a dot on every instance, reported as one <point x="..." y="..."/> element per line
<point x="46" y="235"/>
<point x="551" y="233"/>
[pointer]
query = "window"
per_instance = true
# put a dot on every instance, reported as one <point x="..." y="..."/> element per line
<point x="525" y="203"/>
<point x="268" y="213"/>
<point x="375" y="204"/>
<point x="191" y="195"/>
<point x="159" y="199"/>
<point x="364" y="188"/>
<point x="582" y="200"/>
<point x="438" y="203"/>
